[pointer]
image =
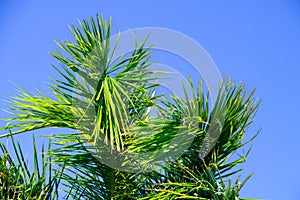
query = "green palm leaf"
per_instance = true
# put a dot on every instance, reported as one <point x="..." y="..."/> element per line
<point x="18" y="182"/>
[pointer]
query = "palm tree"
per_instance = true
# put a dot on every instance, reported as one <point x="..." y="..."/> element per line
<point x="113" y="149"/>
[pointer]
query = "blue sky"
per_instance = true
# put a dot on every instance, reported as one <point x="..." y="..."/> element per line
<point x="256" y="42"/>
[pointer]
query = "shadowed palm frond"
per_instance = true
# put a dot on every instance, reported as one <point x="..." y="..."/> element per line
<point x="17" y="181"/>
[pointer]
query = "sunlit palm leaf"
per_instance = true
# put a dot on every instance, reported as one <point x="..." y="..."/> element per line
<point x="97" y="96"/>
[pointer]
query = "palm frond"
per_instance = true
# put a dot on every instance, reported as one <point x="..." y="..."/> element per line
<point x="98" y="96"/>
<point x="17" y="181"/>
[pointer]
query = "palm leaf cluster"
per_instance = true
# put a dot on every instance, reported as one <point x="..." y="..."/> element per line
<point x="117" y="148"/>
<point x="18" y="182"/>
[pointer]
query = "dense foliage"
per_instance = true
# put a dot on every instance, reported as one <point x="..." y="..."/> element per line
<point x="106" y="103"/>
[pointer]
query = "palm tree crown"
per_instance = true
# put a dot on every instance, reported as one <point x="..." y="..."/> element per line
<point x="114" y="150"/>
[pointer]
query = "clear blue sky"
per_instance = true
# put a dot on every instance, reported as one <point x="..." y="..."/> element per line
<point x="257" y="42"/>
